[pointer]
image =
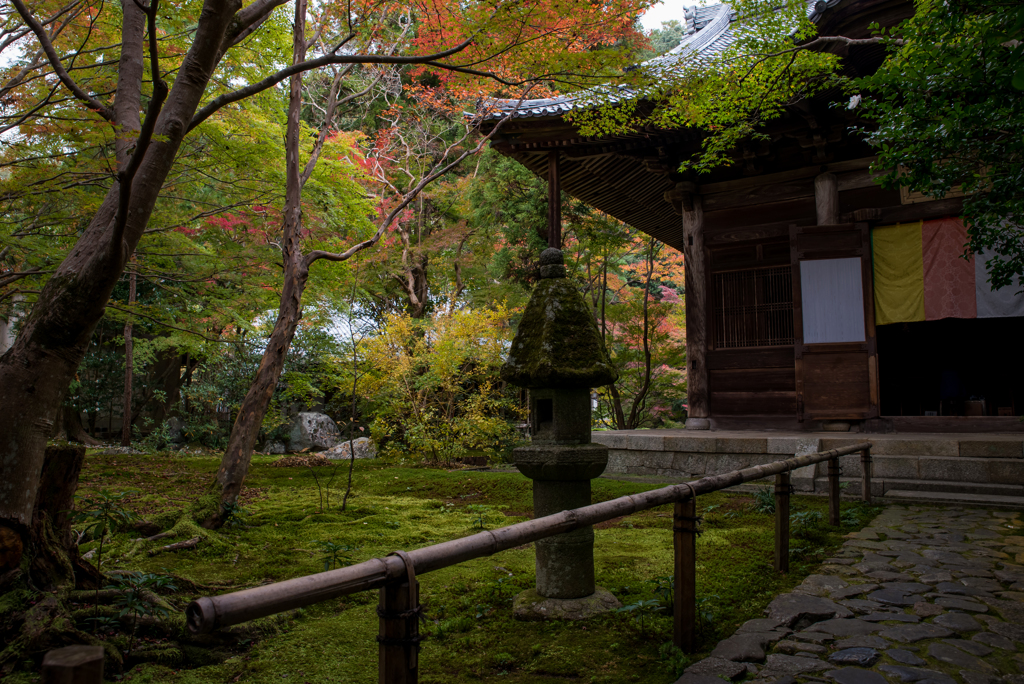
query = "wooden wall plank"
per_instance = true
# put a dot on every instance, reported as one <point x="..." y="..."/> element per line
<point x="761" y="357"/>
<point x="753" y="380"/>
<point x="752" y="403"/>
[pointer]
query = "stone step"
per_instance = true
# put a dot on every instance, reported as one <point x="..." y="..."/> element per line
<point x="957" y="469"/>
<point x="881" y="486"/>
<point x="912" y="496"/>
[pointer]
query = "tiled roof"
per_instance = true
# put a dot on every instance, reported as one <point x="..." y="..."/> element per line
<point x="708" y="32"/>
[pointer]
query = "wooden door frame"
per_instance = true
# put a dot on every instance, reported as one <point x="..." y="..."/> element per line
<point x="869" y="345"/>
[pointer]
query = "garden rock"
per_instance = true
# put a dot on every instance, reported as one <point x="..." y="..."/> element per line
<point x="797" y="611"/>
<point x="747" y="648"/>
<point x="971" y="647"/>
<point x="717" y="667"/>
<point x="780" y="665"/>
<point x="911" y="633"/>
<point x="758" y="625"/>
<point x="797" y="648"/>
<point x="894" y="597"/>
<point x="958" y="622"/>
<point x="862" y="642"/>
<point x="954" y="656"/>
<point x="312" y="432"/>
<point x="844" y="627"/>
<point x="925" y="609"/>
<point x="820" y="585"/>
<point x="914" y="674"/>
<point x="861" y="657"/>
<point x="363" y="448"/>
<point x="855" y="675"/>
<point x="699" y="679"/>
<point x="529" y="605"/>
<point x="905" y="657"/>
<point x="275" y="448"/>
<point x="994" y="640"/>
<point x="175" y="430"/>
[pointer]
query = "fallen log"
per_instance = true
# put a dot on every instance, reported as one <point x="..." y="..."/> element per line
<point x="177" y="546"/>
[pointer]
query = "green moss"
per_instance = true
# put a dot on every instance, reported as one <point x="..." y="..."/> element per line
<point x="557" y="343"/>
<point x="471" y="633"/>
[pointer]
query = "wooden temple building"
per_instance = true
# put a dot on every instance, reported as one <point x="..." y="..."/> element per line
<point x="813" y="295"/>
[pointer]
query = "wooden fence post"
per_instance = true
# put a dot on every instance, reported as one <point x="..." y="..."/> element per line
<point x="782" y="489"/>
<point x="399" y="636"/>
<point x="865" y="475"/>
<point x="684" y="537"/>
<point x="833" y="491"/>
<point x="73" y="665"/>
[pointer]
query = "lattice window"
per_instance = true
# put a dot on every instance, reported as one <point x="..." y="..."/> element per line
<point x="753" y="308"/>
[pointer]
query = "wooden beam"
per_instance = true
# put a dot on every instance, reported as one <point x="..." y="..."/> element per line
<point x="696" y="312"/>
<point x="782" y="522"/>
<point x="684" y="598"/>
<point x="826" y="199"/>
<point x="554" y="202"/>
<point x="73" y="665"/>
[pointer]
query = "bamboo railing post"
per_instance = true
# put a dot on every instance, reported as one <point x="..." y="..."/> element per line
<point x="865" y="475"/>
<point x="684" y="537"/>
<point x="833" y="491"/>
<point x="73" y="665"/>
<point x="399" y="636"/>
<point x="782" y="490"/>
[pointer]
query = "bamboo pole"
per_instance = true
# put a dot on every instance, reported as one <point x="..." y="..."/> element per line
<point x="865" y="475"/>
<point x="211" y="612"/>
<point x="833" y="491"/>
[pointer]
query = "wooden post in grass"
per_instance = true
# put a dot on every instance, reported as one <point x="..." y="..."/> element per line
<point x="782" y="522"/>
<point x="865" y="475"/>
<point x="833" y="491"/>
<point x="684" y="537"/>
<point x="399" y="636"/>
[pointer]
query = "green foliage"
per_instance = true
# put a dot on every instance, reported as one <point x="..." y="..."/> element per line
<point x="133" y="596"/>
<point x="335" y="555"/>
<point x="764" y="500"/>
<point x="432" y="385"/>
<point x="103" y="514"/>
<point x="640" y="611"/>
<point x="947" y="111"/>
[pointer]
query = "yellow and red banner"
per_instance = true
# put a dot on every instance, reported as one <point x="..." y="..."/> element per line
<point x="921" y="275"/>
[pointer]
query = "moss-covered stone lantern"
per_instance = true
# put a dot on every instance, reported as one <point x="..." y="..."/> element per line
<point x="558" y="354"/>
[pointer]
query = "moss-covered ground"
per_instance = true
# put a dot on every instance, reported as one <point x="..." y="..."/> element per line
<point x="471" y="633"/>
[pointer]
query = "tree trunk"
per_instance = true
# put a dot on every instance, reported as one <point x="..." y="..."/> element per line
<point x="36" y="371"/>
<point x="74" y="429"/>
<point x="126" y="410"/>
<point x="51" y="544"/>
<point x="235" y="463"/>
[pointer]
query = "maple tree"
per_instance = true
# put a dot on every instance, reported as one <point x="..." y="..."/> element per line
<point x="179" y="66"/>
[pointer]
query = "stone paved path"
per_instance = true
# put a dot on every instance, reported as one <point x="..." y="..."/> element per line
<point x="923" y="595"/>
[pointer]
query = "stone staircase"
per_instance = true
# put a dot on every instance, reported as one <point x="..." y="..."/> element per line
<point x="981" y="469"/>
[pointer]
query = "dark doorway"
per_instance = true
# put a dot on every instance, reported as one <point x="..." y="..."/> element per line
<point x="952" y="367"/>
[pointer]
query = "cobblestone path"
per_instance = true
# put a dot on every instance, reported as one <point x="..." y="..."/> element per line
<point x="923" y="595"/>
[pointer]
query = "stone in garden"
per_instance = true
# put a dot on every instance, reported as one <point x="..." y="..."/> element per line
<point x="958" y="622"/>
<point x="914" y="674"/>
<point x="855" y="675"/>
<point x="897" y="617"/>
<point x="820" y="585"/>
<point x="363" y="448"/>
<point x="275" y="448"/>
<point x="994" y="640"/>
<point x="980" y="677"/>
<point x="971" y="647"/>
<point x="855" y="590"/>
<point x="894" y="597"/>
<point x="175" y="430"/>
<point x="907" y="587"/>
<point x="961" y="604"/>
<point x="982" y="583"/>
<point x="797" y="648"/>
<point x="862" y="642"/>
<point x="925" y="609"/>
<point x="717" y="667"/>
<point x="529" y="605"/>
<point x="861" y="605"/>
<point x="860" y="657"/>
<point x="758" y="625"/>
<point x="933" y="578"/>
<point x="905" y="657"/>
<point x="747" y="648"/>
<point x="558" y="354"/>
<point x="812" y="637"/>
<point x="699" y="679"/>
<point x="844" y="627"/>
<point x="885" y="576"/>
<point x="312" y="432"/>
<point x="797" y="611"/>
<point x="954" y="656"/>
<point x="780" y="665"/>
<point x="908" y="634"/>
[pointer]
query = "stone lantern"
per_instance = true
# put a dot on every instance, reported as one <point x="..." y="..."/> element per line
<point x="558" y="354"/>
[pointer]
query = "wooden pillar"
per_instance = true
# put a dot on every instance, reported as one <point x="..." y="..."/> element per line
<point x="73" y="665"/>
<point x="782" y="522"/>
<point x="698" y="410"/>
<point x="684" y="537"/>
<point x="554" y="202"/>
<point x="398" y="653"/>
<point x="833" y="491"/>
<point x="826" y="199"/>
<point x="865" y="475"/>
